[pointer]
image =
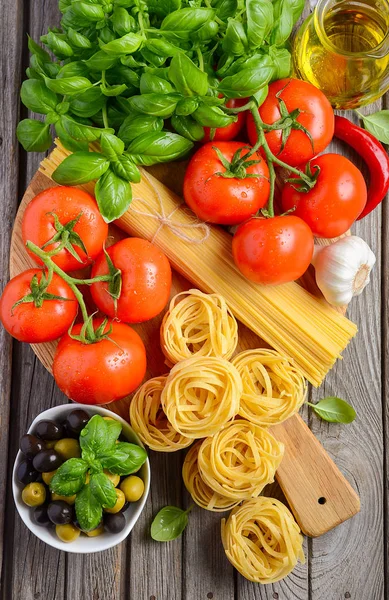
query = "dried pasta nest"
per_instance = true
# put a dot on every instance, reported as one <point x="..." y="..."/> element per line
<point x="240" y="460"/>
<point x="201" y="395"/>
<point x="149" y="421"/>
<point x="273" y="389"/>
<point x="201" y="493"/>
<point x="198" y="324"/>
<point x="262" y="540"/>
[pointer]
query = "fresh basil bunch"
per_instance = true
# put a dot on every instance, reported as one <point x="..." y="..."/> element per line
<point x="99" y="450"/>
<point x="125" y="73"/>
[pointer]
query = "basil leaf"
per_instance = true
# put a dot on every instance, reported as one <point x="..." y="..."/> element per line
<point x="70" y="477"/>
<point x="89" y="511"/>
<point x="34" y="135"/>
<point x="132" y="127"/>
<point x="377" y="124"/>
<point x="154" y="104"/>
<point x="80" y="167"/>
<point x="114" y="429"/>
<point x="113" y="196"/>
<point x="112" y="90"/>
<point x="247" y="81"/>
<point x="68" y="142"/>
<point x="111" y="145"/>
<point x="34" y="48"/>
<point x="259" y="21"/>
<point x="78" y="40"/>
<point x="226" y="8"/>
<point x="103" y="489"/>
<point x="162" y="47"/>
<point x="127" y="44"/>
<point x="151" y="84"/>
<point x="127" y="459"/>
<point x="49" y="69"/>
<point x="68" y="85"/>
<point x="168" y="524"/>
<point x="153" y="148"/>
<point x="182" y="22"/>
<point x="212" y="116"/>
<point x="187" y="106"/>
<point x="73" y="20"/>
<point x="88" y="103"/>
<point x="100" y="61"/>
<point x="334" y="410"/>
<point x="125" y="168"/>
<point x="297" y="7"/>
<point x="73" y="69"/>
<point x="151" y="57"/>
<point x="106" y="35"/>
<point x="122" y="21"/>
<point x="94" y="436"/>
<point x="283" y="23"/>
<point x="63" y="5"/>
<point x="161" y="8"/>
<point x="125" y="75"/>
<point x="235" y="39"/>
<point x="32" y="74"/>
<point x="59" y="46"/>
<point x="281" y="59"/>
<point x="261" y="95"/>
<point x="188" y="128"/>
<point x="90" y="12"/>
<point x="186" y="77"/>
<point x="78" y="131"/>
<point x="35" y="95"/>
<point x="206" y="33"/>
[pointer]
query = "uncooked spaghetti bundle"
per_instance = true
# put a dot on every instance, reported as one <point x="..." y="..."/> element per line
<point x="201" y="493"/>
<point x="273" y="389"/>
<point x="262" y="540"/>
<point x="150" y="422"/>
<point x="240" y="460"/>
<point x="198" y="324"/>
<point x="201" y="395"/>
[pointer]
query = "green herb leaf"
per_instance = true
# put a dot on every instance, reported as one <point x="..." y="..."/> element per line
<point x="111" y="146"/>
<point x="187" y="106"/>
<point x="188" y="128"/>
<point x="89" y="511"/>
<point x="100" y="61"/>
<point x="103" y="489"/>
<point x="169" y="524"/>
<point x="154" y="104"/>
<point x="259" y="21"/>
<point x="59" y="46"/>
<point x="114" y="429"/>
<point x="128" y="44"/>
<point x="34" y="48"/>
<point x="126" y="459"/>
<point x="186" y="77"/>
<point x="80" y="167"/>
<point x="235" y="40"/>
<point x="34" y="135"/>
<point x="88" y="103"/>
<point x="122" y="21"/>
<point x="161" y="8"/>
<point x="113" y="195"/>
<point x="125" y="168"/>
<point x="68" y="85"/>
<point x="112" y="90"/>
<point x="132" y="127"/>
<point x="37" y="97"/>
<point x="90" y="12"/>
<point x="162" y="47"/>
<point x="94" y="436"/>
<point x="158" y="147"/>
<point x="249" y="80"/>
<point x="283" y="22"/>
<point x="281" y="59"/>
<point x="212" y="116"/>
<point x="151" y="84"/>
<point x="70" y="477"/>
<point x="79" y="131"/>
<point x="78" y="40"/>
<point x="377" y="124"/>
<point x="68" y="142"/>
<point x="334" y="410"/>
<point x="73" y="69"/>
<point x="182" y="22"/>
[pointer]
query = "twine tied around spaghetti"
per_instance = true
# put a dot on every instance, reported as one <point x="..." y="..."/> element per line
<point x="166" y="220"/>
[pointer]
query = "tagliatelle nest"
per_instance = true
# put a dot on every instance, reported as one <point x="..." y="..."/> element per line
<point x="262" y="540"/>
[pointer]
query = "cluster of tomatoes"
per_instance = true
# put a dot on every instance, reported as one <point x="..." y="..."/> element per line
<point x="98" y="360"/>
<point x="271" y="249"/>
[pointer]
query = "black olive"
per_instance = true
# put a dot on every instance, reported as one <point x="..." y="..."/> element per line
<point x="49" y="430"/>
<point x="125" y="506"/>
<point x="114" y="522"/>
<point x="60" y="512"/>
<point x="26" y="473"/>
<point x="30" y="445"/>
<point x="47" y="460"/>
<point x="76" y="421"/>
<point x="40" y="515"/>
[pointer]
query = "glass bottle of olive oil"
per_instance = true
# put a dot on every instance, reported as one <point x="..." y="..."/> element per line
<point x="343" y="49"/>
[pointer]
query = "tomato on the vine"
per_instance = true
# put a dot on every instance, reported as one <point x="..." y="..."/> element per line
<point x="38" y="318"/>
<point x="146" y="281"/>
<point x="230" y="132"/>
<point x="315" y="115"/>
<point x="217" y="196"/>
<point x="273" y="250"/>
<point x="336" y="200"/>
<point x="67" y="204"/>
<point x="100" y="372"/>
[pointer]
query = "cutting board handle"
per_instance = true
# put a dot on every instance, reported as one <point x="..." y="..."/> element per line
<point x="318" y="494"/>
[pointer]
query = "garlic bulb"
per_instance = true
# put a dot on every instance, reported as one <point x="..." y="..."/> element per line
<point x="343" y="269"/>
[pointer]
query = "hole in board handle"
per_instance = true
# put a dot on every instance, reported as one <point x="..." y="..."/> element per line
<point x="322" y="500"/>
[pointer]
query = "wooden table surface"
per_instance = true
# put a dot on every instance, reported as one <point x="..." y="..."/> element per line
<point x="350" y="562"/>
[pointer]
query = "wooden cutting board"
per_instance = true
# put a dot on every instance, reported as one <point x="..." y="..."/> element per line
<point x="318" y="493"/>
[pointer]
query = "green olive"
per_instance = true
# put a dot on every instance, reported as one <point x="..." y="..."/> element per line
<point x="120" y="500"/>
<point x="47" y="477"/>
<point x="68" y="499"/>
<point x="95" y="532"/>
<point x="68" y="448"/>
<point x="133" y="488"/>
<point x="34" y="494"/>
<point x="50" y="444"/>
<point x="112" y="477"/>
<point x="68" y="532"/>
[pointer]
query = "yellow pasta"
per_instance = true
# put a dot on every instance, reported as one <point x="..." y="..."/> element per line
<point x="150" y="422"/>
<point x="240" y="460"/>
<point x="201" y="395"/>
<point x="273" y="389"/>
<point x="201" y="493"/>
<point x="198" y="324"/>
<point x="262" y="540"/>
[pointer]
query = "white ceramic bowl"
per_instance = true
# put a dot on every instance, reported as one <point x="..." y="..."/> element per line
<point x="84" y="544"/>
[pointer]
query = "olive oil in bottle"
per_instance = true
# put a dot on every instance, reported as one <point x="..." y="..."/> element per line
<point x="343" y="49"/>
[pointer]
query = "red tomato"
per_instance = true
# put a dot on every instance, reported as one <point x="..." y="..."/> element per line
<point x="316" y="116"/>
<point x="273" y="251"/>
<point x="336" y="201"/>
<point x="230" y="132"/>
<point x="67" y="203"/>
<point x="102" y="372"/>
<point x="146" y="281"/>
<point x="224" y="200"/>
<point x="29" y="323"/>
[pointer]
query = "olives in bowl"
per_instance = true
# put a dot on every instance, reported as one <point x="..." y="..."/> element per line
<point x="105" y="495"/>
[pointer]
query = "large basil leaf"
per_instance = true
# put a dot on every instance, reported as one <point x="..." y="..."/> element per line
<point x="187" y="106"/>
<point x="122" y="21"/>
<point x="186" y="20"/>
<point x="155" y="59"/>
<point x="225" y="8"/>
<point x="78" y="40"/>
<point x="132" y="127"/>
<point x="334" y="410"/>
<point x="377" y="124"/>
<point x="37" y="97"/>
<point x="282" y="62"/>
<point x="151" y="84"/>
<point x="161" y="8"/>
<point x="93" y="438"/>
<point x="127" y="44"/>
<point x="90" y="12"/>
<point x="80" y="167"/>
<point x="127" y="459"/>
<point x="153" y="148"/>
<point x="100" y="61"/>
<point x="186" y="77"/>
<point x="169" y="524"/>
<point x="70" y="477"/>
<point x="59" y="46"/>
<point x="34" y="48"/>
<point x="88" y="103"/>
<point x="162" y="47"/>
<point x="103" y="489"/>
<point x="68" y="142"/>
<point x="73" y="69"/>
<point x="283" y="23"/>
<point x="125" y="168"/>
<point x="235" y="39"/>
<point x="34" y="135"/>
<point x="127" y="76"/>
<point x="113" y="195"/>
<point x="89" y="511"/>
<point x="154" y="104"/>
<point x="79" y="131"/>
<point x="49" y="69"/>
<point x="212" y="116"/>
<point x="259" y="21"/>
<point x="68" y="85"/>
<point x="247" y="81"/>
<point x="188" y="127"/>
<point x="73" y="20"/>
<point x="111" y="146"/>
<point x="297" y="7"/>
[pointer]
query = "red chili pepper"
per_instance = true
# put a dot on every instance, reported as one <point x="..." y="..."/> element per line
<point x="374" y="155"/>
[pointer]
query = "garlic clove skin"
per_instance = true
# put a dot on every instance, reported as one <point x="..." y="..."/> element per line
<point x="343" y="269"/>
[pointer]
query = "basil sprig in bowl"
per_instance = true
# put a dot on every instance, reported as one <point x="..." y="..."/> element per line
<point x="99" y="450"/>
